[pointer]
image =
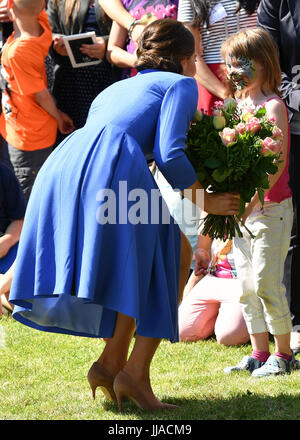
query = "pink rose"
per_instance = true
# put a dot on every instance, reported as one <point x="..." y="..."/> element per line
<point x="228" y="136"/>
<point x="240" y="128"/>
<point x="272" y="120"/>
<point x="253" y="125"/>
<point x="247" y="113"/>
<point x="270" y="147"/>
<point x="277" y="133"/>
<point x="219" y="105"/>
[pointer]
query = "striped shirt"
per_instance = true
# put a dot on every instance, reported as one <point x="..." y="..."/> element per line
<point x="216" y="34"/>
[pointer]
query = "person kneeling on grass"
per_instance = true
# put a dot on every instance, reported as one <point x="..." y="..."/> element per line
<point x="12" y="212"/>
<point x="211" y="297"/>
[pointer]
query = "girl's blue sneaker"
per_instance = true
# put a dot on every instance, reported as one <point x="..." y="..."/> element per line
<point x="276" y="365"/>
<point x="248" y="363"/>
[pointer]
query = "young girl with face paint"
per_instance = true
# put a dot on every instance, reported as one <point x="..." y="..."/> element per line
<point x="212" y="22"/>
<point x="254" y="75"/>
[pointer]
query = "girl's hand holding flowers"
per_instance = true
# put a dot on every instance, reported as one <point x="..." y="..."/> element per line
<point x="235" y="157"/>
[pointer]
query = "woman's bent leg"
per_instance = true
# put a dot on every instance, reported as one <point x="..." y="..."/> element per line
<point x="134" y="380"/>
<point x="197" y="317"/>
<point x="113" y="358"/>
<point x="230" y="328"/>
<point x="186" y="257"/>
<point x="114" y="355"/>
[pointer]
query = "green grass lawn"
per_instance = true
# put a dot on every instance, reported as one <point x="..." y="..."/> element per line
<point x="43" y="377"/>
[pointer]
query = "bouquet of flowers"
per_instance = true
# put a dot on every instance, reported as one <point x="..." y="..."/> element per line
<point x="234" y="150"/>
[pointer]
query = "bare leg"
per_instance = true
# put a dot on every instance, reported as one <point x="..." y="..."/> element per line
<point x="134" y="380"/>
<point x="185" y="264"/>
<point x="138" y="365"/>
<point x="282" y="344"/>
<point x="113" y="358"/>
<point x="114" y="355"/>
<point x="260" y="341"/>
<point x="5" y="303"/>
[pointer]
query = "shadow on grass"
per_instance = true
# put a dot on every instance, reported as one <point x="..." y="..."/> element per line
<point x="248" y="406"/>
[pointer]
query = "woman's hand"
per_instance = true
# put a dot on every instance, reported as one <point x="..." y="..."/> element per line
<point x="59" y="46"/>
<point x="96" y="50"/>
<point x="221" y="203"/>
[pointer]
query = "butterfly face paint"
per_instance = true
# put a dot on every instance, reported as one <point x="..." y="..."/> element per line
<point x="241" y="71"/>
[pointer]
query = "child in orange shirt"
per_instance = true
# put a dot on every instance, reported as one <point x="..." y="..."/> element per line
<point x="30" y="118"/>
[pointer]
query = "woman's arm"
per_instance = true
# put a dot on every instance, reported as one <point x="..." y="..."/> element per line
<point x="116" y="11"/>
<point x="213" y="203"/>
<point x="177" y="111"/>
<point x="115" y="53"/>
<point x="204" y="75"/>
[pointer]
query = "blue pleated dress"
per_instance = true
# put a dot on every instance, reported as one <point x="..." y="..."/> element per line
<point x="74" y="270"/>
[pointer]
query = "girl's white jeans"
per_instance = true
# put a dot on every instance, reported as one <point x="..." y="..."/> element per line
<point x="260" y="264"/>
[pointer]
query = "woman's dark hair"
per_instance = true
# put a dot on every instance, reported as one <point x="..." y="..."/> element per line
<point x="202" y="9"/>
<point x="163" y="45"/>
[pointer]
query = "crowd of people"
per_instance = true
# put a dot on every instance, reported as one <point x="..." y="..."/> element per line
<point x="68" y="134"/>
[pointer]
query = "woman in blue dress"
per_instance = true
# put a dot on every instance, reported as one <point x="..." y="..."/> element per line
<point x="97" y="258"/>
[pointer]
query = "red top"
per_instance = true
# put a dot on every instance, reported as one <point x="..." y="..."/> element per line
<point x="281" y="190"/>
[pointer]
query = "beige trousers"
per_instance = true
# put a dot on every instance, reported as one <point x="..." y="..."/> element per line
<point x="260" y="264"/>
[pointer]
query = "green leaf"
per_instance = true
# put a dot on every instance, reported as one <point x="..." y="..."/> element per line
<point x="261" y="112"/>
<point x="261" y="195"/>
<point x="212" y="162"/>
<point x="221" y="174"/>
<point x="247" y="193"/>
<point x="201" y="176"/>
<point x="241" y="207"/>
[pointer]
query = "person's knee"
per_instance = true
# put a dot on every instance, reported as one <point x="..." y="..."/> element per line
<point x="198" y="330"/>
<point x="190" y="335"/>
<point x="230" y="339"/>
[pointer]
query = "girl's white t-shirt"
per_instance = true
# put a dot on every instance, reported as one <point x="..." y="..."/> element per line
<point x="224" y="22"/>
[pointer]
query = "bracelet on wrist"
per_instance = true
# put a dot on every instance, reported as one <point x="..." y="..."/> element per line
<point x="132" y="26"/>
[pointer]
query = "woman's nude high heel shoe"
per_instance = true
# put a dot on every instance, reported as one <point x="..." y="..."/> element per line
<point x="99" y="377"/>
<point x="124" y="387"/>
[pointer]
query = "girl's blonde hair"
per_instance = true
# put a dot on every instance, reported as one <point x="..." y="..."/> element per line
<point x="257" y="45"/>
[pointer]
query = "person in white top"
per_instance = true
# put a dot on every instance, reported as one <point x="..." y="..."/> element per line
<point x="211" y="22"/>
